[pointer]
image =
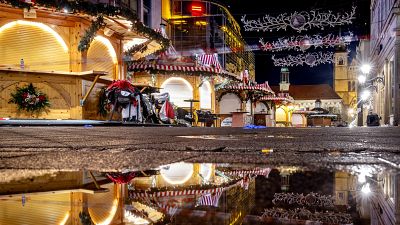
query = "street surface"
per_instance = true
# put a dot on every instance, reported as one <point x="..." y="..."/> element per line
<point x="118" y="148"/>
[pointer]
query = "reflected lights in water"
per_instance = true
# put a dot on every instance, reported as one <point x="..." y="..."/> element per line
<point x="177" y="173"/>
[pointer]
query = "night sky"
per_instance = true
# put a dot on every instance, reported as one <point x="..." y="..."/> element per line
<point x="265" y="70"/>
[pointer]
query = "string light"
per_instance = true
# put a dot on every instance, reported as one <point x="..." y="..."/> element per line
<point x="310" y="59"/>
<point x="304" y="42"/>
<point x="299" y="21"/>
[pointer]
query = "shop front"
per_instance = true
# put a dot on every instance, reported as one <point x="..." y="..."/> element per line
<point x="67" y="56"/>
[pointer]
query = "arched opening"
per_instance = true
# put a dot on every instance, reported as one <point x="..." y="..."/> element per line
<point x="101" y="56"/>
<point x="179" y="90"/>
<point x="177" y="173"/>
<point x="261" y="107"/>
<point x="205" y="95"/>
<point x="280" y="115"/>
<point x="298" y="120"/>
<point x="103" y="206"/>
<point x="229" y="103"/>
<point x="40" y="47"/>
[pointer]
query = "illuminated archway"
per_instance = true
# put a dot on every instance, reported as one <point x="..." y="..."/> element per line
<point x="41" y="47"/>
<point x="261" y="107"/>
<point x="280" y="115"/>
<point x="109" y="46"/>
<point x="229" y="103"/>
<point x="103" y="206"/>
<point x="42" y="26"/>
<point x="205" y="95"/>
<point x="101" y="56"/>
<point x="179" y="90"/>
<point x="177" y="173"/>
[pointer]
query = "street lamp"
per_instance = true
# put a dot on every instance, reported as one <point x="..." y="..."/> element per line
<point x="365" y="68"/>
<point x="365" y="95"/>
<point x="362" y="78"/>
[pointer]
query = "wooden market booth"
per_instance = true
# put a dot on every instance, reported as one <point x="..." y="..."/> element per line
<point x="191" y="85"/>
<point x="40" y="46"/>
<point x="282" y="109"/>
<point x="242" y="101"/>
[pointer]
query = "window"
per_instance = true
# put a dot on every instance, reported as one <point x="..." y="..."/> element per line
<point x="341" y="61"/>
<point x="147" y="12"/>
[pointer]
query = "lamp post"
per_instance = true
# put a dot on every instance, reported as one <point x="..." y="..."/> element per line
<point x="365" y="70"/>
<point x="363" y="92"/>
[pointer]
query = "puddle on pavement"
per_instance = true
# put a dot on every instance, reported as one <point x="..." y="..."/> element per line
<point x="200" y="193"/>
<point x="234" y="137"/>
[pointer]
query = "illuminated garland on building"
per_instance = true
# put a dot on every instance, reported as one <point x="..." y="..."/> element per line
<point x="304" y="42"/>
<point x="95" y="10"/>
<point x="310" y="59"/>
<point x="90" y="33"/>
<point x="299" y="21"/>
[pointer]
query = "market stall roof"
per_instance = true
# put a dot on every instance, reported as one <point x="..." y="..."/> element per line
<point x="279" y="97"/>
<point x="310" y="92"/>
<point x="174" y="67"/>
<point x="256" y="87"/>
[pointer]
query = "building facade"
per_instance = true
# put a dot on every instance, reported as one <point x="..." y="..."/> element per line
<point x="206" y="27"/>
<point x="345" y="83"/>
<point x="385" y="55"/>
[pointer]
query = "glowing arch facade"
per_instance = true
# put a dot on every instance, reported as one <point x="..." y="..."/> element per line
<point x="179" y="90"/>
<point x="40" y="47"/>
<point x="101" y="56"/>
<point x="229" y="103"/>
<point x="205" y="92"/>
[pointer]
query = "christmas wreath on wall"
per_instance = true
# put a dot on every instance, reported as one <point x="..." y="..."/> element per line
<point x="29" y="99"/>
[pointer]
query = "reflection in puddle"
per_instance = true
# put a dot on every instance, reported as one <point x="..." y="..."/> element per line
<point x="200" y="193"/>
<point x="234" y="137"/>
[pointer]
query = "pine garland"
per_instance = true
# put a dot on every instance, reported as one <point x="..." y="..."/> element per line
<point x="29" y="99"/>
<point x="90" y="33"/>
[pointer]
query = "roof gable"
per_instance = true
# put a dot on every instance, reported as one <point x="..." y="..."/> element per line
<point x="310" y="92"/>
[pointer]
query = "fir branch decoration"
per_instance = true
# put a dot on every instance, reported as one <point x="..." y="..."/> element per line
<point x="29" y="99"/>
<point x="90" y="33"/>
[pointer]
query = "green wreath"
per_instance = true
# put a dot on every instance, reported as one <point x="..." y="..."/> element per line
<point x="29" y="99"/>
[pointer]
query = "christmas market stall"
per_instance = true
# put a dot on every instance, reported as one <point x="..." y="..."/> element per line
<point x="56" y="56"/>
<point x="281" y="109"/>
<point x="184" y="188"/>
<point x="239" y="101"/>
<point x="189" y="80"/>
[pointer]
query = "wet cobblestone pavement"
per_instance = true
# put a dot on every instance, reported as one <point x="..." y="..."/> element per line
<point x="117" y="148"/>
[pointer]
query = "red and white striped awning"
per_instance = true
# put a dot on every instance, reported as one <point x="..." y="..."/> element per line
<point x="260" y="87"/>
<point x="277" y="98"/>
<point x="143" y="66"/>
<point x="209" y="60"/>
<point x="134" y="194"/>
<point x="242" y="173"/>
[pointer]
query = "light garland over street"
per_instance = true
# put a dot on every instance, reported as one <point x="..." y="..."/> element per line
<point x="299" y="21"/>
<point x="304" y="42"/>
<point x="311" y="59"/>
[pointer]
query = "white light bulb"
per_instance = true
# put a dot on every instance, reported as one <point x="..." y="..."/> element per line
<point x="362" y="79"/>
<point x="366" y="189"/>
<point x="366" y="68"/>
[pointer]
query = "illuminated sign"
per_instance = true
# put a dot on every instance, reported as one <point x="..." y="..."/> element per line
<point x="197" y="9"/>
